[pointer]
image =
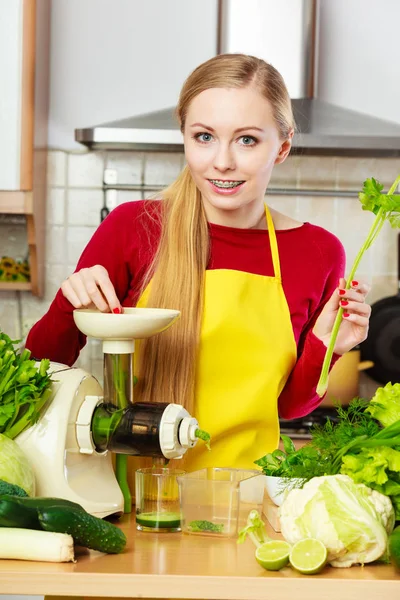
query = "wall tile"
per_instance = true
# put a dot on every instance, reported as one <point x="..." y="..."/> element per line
<point x="386" y="171"/>
<point x="321" y="211"/>
<point x="127" y="196"/>
<point x="352" y="244"/>
<point x="161" y="168"/>
<point x="129" y="166"/>
<point x="55" y="275"/>
<point x="56" y="168"/>
<point x="385" y="252"/>
<point x="286" y="174"/>
<point x="56" y="245"/>
<point x="85" y="169"/>
<point x="9" y="315"/>
<point x="352" y="219"/>
<point x="77" y="238"/>
<point x="352" y="172"/>
<point x="84" y="207"/>
<point x="84" y="360"/>
<point x="284" y="204"/>
<point x="55" y="206"/>
<point x="383" y="286"/>
<point x="317" y="172"/>
<point x="32" y="309"/>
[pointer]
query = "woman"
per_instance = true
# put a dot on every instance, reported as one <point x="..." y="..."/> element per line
<point x="258" y="291"/>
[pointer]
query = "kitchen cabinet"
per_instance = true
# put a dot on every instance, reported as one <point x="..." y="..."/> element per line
<point x="174" y="565"/>
<point x="24" y="60"/>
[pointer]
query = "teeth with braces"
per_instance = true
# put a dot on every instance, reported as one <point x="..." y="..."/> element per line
<point x="226" y="184"/>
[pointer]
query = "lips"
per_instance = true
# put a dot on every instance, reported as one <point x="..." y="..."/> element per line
<point x="226" y="190"/>
<point x="226" y="183"/>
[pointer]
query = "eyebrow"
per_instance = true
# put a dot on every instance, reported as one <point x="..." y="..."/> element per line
<point x="236" y="130"/>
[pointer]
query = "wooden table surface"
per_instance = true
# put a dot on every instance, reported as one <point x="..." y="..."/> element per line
<point x="180" y="565"/>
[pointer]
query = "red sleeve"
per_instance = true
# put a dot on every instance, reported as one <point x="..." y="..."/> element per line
<point x="55" y="336"/>
<point x="299" y="397"/>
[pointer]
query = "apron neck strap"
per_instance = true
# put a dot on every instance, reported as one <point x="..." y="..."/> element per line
<point x="273" y="243"/>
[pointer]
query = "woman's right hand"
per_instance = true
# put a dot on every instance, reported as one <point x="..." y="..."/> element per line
<point x="91" y="287"/>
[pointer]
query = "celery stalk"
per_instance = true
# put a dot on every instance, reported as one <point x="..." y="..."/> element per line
<point x="377" y="225"/>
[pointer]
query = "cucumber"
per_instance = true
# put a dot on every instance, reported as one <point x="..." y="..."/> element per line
<point x="87" y="530"/>
<point x="22" y="512"/>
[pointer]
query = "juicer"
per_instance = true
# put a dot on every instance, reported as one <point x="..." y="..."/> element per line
<point x="70" y="447"/>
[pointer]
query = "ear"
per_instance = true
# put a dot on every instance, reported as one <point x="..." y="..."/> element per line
<point x="285" y="148"/>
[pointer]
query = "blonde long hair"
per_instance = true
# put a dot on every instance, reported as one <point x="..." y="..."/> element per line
<point x="167" y="362"/>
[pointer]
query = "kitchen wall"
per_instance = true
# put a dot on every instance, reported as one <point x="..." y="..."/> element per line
<point x="75" y="199"/>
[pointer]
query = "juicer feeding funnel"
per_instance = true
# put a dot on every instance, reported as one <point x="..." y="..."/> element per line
<point x="118" y="331"/>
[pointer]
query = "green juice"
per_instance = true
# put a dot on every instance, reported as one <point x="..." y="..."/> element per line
<point x="159" y="520"/>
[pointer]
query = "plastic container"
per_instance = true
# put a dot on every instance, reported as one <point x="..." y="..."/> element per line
<point x="217" y="501"/>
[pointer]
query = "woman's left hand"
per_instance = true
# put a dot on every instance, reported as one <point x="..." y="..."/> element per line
<point x="356" y="312"/>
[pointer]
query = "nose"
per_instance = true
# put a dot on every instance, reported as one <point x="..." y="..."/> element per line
<point x="224" y="159"/>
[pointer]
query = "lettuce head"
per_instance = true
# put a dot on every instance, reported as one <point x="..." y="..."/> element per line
<point x="15" y="467"/>
<point x="384" y="406"/>
<point x="350" y="519"/>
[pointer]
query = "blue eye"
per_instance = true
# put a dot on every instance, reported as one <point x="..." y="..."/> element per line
<point x="207" y="137"/>
<point x="248" y="140"/>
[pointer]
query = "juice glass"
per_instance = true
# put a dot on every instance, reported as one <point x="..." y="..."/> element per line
<point x="157" y="499"/>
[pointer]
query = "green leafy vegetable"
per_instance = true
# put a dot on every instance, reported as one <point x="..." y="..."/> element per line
<point x="386" y="207"/>
<point x="24" y="388"/>
<point x="200" y="526"/>
<point x="255" y="529"/>
<point x="203" y="435"/>
<point x="385" y="405"/>
<point x="15" y="467"/>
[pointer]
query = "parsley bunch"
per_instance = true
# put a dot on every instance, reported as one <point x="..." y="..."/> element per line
<point x="24" y="388"/>
<point x="386" y="207"/>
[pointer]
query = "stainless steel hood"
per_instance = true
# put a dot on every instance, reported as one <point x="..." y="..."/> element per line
<point x="323" y="128"/>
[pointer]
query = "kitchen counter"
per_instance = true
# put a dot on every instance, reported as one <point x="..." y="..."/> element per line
<point x="190" y="566"/>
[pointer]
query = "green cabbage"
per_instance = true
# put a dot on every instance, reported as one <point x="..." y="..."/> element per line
<point x="350" y="519"/>
<point x="15" y="467"/>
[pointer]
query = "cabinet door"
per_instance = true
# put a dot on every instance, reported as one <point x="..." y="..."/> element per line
<point x="16" y="93"/>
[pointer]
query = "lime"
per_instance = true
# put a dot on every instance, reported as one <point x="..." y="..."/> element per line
<point x="273" y="555"/>
<point x="308" y="556"/>
<point x="394" y="546"/>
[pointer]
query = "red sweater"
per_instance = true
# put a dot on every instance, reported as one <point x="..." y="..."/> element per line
<point x="312" y="261"/>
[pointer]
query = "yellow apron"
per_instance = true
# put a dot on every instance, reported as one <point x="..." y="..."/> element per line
<point x="247" y="351"/>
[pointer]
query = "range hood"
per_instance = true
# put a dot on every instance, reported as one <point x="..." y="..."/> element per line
<point x="322" y="128"/>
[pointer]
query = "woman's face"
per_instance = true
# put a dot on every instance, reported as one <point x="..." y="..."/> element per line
<point x="231" y="146"/>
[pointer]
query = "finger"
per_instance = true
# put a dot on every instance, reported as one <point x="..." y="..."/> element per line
<point x="357" y="320"/>
<point x="93" y="291"/>
<point x="70" y="294"/>
<point x="361" y="286"/>
<point x="78" y="284"/>
<point x="103" y="280"/>
<point x="358" y="308"/>
<point x="356" y="295"/>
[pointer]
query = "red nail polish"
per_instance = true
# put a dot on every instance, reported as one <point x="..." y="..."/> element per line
<point x="342" y="292"/>
<point x="354" y="283"/>
<point x="343" y="303"/>
<point x="346" y="314"/>
<point x="116" y="311"/>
